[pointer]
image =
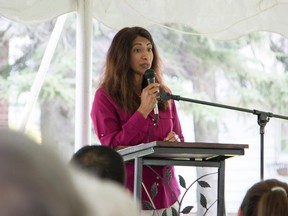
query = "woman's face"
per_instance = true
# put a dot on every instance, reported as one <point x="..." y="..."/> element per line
<point x="141" y="55"/>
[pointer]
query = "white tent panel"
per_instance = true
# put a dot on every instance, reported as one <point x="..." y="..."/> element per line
<point x="35" y="11"/>
<point x="219" y="19"/>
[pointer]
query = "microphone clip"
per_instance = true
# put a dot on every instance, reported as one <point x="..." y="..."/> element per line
<point x="163" y="97"/>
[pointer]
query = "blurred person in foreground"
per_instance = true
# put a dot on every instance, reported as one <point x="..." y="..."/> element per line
<point x="266" y="198"/>
<point x="34" y="181"/>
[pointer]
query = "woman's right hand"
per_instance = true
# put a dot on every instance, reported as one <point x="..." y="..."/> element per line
<point x="148" y="99"/>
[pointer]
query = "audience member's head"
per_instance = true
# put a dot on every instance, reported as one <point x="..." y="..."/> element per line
<point x="101" y="161"/>
<point x="34" y="180"/>
<point x="265" y="198"/>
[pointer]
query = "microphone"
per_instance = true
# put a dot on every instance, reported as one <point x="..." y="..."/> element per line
<point x="150" y="77"/>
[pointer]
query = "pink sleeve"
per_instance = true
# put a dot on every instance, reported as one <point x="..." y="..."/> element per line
<point x="176" y="123"/>
<point x="106" y="117"/>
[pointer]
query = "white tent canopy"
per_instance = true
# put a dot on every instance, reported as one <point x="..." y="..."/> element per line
<point x="218" y="19"/>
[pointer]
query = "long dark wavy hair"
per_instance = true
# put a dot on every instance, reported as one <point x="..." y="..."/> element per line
<point x="118" y="77"/>
<point x="266" y="199"/>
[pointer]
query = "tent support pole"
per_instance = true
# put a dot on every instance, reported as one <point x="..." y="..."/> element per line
<point x="83" y="73"/>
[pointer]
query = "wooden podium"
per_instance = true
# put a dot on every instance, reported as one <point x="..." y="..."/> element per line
<point x="183" y="154"/>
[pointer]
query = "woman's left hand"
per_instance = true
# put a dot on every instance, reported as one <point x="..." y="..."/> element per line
<point x="172" y="137"/>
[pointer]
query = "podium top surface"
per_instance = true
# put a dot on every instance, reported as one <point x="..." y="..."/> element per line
<point x="183" y="150"/>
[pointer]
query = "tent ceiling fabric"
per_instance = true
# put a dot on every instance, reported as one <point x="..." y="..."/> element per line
<point x="35" y="11"/>
<point x="218" y="19"/>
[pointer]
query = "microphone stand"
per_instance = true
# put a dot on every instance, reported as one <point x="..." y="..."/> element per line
<point x="262" y="118"/>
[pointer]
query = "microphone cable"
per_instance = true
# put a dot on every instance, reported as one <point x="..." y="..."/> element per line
<point x="151" y="131"/>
